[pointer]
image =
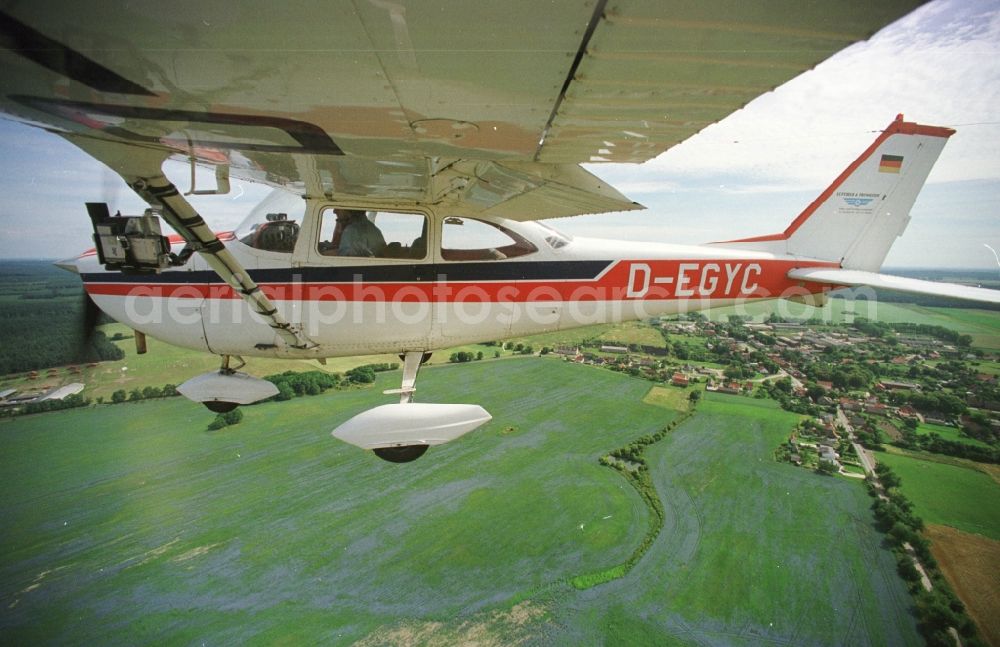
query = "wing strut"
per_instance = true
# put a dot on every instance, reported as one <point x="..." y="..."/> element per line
<point x="141" y="168"/>
<point x="180" y="215"/>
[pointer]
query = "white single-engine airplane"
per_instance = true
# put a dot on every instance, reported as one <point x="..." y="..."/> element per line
<point x="415" y="148"/>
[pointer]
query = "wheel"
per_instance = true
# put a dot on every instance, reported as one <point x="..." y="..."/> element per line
<point x="402" y="454"/>
<point x="218" y="406"/>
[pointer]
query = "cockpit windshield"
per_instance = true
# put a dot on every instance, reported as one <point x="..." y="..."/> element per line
<point x="273" y="225"/>
<point x="555" y="239"/>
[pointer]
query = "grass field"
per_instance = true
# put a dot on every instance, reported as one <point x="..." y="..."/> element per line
<point x="166" y="364"/>
<point x="752" y="552"/>
<point x="634" y="332"/>
<point x="132" y="524"/>
<point x="949" y="495"/>
<point x="982" y="325"/>
<point x="949" y="433"/>
<point x="669" y="397"/>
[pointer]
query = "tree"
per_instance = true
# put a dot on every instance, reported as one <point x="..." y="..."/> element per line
<point x="888" y="477"/>
<point x="904" y="564"/>
<point x="119" y="396"/>
<point x="361" y="375"/>
<point x="226" y="419"/>
<point x="694" y="396"/>
<point x="826" y="467"/>
<point x="815" y="391"/>
<point x="285" y="392"/>
<point x="734" y="371"/>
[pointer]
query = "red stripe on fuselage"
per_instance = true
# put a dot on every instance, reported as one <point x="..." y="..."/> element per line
<point x="626" y="280"/>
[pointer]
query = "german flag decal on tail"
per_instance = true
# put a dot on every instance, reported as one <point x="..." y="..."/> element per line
<point x="890" y="164"/>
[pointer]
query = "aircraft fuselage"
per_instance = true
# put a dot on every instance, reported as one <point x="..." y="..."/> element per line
<point x="352" y="306"/>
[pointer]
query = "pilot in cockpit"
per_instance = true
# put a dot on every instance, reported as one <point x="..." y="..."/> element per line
<point x="355" y="235"/>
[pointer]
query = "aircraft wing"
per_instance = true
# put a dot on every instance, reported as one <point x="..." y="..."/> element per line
<point x="856" y="278"/>
<point x="489" y="104"/>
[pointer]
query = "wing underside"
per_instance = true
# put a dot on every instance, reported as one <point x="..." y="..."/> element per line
<point x="411" y="103"/>
<point x="858" y="278"/>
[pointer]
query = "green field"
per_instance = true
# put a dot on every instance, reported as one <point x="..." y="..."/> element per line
<point x="949" y="433"/>
<point x="949" y="495"/>
<point x="139" y="518"/>
<point x="133" y="524"/>
<point x="670" y="397"/>
<point x="982" y="325"/>
<point x="166" y="364"/>
<point x="753" y="551"/>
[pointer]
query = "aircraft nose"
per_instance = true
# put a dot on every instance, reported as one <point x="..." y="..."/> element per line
<point x="68" y="264"/>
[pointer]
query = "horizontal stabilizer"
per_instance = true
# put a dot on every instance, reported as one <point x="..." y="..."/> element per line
<point x="853" y="278"/>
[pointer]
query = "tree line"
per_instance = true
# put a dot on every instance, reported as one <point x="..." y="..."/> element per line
<point x="939" y="608"/>
<point x="640" y="479"/>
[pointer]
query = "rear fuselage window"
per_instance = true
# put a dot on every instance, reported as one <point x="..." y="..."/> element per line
<point x="468" y="239"/>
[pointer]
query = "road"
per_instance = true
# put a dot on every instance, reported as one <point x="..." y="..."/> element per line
<point x="867" y="462"/>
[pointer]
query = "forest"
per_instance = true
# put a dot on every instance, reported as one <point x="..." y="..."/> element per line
<point x="42" y="319"/>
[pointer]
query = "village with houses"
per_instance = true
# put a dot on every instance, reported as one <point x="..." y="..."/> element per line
<point x="862" y="384"/>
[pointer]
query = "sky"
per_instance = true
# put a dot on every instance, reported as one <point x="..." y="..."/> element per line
<point x="748" y="175"/>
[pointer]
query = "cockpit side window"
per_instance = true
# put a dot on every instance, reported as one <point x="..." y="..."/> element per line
<point x="375" y="234"/>
<point x="468" y="239"/>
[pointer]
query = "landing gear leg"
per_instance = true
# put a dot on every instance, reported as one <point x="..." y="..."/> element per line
<point x="411" y="366"/>
<point x="412" y="362"/>
<point x="221" y="406"/>
<point x="226" y="369"/>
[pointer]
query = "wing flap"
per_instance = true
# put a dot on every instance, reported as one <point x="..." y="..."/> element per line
<point x="540" y="191"/>
<point x="655" y="74"/>
<point x="852" y="278"/>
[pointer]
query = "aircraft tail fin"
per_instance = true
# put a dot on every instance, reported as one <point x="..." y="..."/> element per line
<point x="857" y="219"/>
